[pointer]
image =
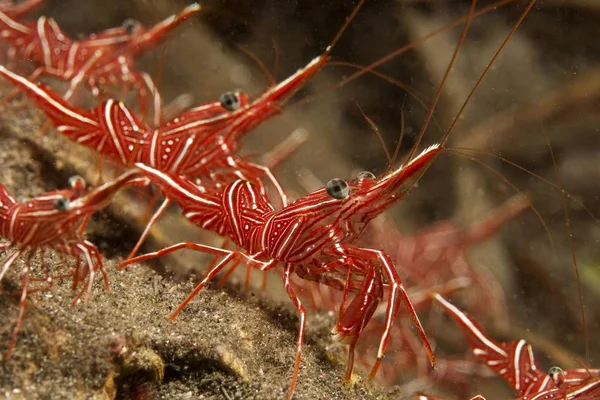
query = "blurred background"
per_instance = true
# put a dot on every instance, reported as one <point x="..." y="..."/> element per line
<point x="537" y="108"/>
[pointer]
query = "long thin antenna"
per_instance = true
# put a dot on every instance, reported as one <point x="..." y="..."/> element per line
<point x="268" y="74"/>
<point x="414" y="44"/>
<point x="536" y="176"/>
<point x="375" y="130"/>
<point x="438" y="92"/>
<point x="487" y="69"/>
<point x="477" y="84"/>
<point x="160" y="69"/>
<point x="584" y="328"/>
<point x="402" y="128"/>
<point x="462" y="152"/>
<point x="344" y="26"/>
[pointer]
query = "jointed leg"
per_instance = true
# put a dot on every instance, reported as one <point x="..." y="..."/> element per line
<point x="378" y="258"/>
<point x="298" y="304"/>
<point x="9" y="261"/>
<point x="48" y="279"/>
<point x="235" y="256"/>
<point x="86" y="249"/>
<point x="99" y="264"/>
<point x="227" y="274"/>
<point x="22" y="305"/>
<point x="77" y="279"/>
<point x="156" y="99"/>
<point x="354" y="318"/>
<point x="161" y="210"/>
<point x="211" y="274"/>
<point x="184" y="245"/>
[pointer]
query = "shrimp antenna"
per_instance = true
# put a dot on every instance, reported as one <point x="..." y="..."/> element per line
<point x="268" y="74"/>
<point x="477" y="84"/>
<point x="438" y="92"/>
<point x="388" y="57"/>
<point x="540" y="178"/>
<point x="418" y="97"/>
<point x="159" y="73"/>
<point x="377" y="133"/>
<point x="344" y="26"/>
<point x="565" y="204"/>
<point x="487" y="69"/>
<point x="462" y="152"/>
<point x="402" y="127"/>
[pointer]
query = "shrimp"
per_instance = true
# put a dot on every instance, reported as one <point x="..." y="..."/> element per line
<point x="312" y="237"/>
<point x="516" y="364"/>
<point x="54" y="221"/>
<point x="102" y="59"/>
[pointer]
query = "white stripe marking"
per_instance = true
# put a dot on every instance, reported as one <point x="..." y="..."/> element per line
<point x="111" y="130"/>
<point x="34" y="88"/>
<point x="474" y="330"/>
<point x="170" y="182"/>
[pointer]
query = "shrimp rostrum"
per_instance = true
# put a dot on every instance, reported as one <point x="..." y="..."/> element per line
<point x="313" y="237"/>
<point x="54" y="221"/>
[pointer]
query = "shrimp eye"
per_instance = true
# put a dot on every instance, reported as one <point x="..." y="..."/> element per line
<point x="61" y="204"/>
<point x="365" y="175"/>
<point x="338" y="189"/>
<point x="77" y="182"/>
<point x="557" y="375"/>
<point x="555" y="370"/>
<point x="131" y="26"/>
<point x="230" y="101"/>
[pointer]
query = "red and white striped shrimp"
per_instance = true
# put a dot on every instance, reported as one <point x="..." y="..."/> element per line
<point x="313" y="237"/>
<point x="54" y="220"/>
<point x="516" y="364"/>
<point x="101" y="60"/>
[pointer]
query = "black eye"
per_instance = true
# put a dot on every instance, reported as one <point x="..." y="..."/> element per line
<point x="230" y="101"/>
<point x="365" y="175"/>
<point x="338" y="189"/>
<point x="61" y="204"/>
<point x="131" y="25"/>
